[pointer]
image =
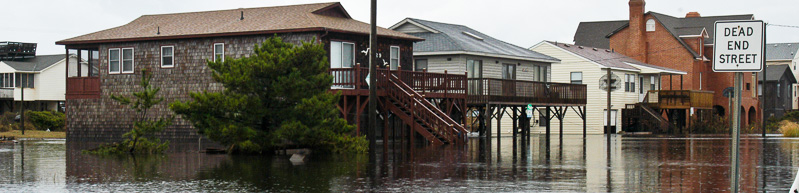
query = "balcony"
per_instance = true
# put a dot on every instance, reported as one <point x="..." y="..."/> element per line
<point x="516" y="92"/>
<point x="352" y="81"/>
<point x="679" y="99"/>
<point x="12" y="50"/>
<point x="83" y="88"/>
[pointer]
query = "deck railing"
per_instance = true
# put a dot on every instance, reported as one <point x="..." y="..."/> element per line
<point x="501" y="91"/>
<point x="11" y="49"/>
<point x="83" y="87"/>
<point x="679" y="99"/>
<point x="443" y="84"/>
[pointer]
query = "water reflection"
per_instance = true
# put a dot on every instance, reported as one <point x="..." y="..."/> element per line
<point x="573" y="164"/>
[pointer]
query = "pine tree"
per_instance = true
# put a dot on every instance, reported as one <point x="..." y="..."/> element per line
<point x="278" y="97"/>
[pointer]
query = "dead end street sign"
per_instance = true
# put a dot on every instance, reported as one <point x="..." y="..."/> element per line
<point x="739" y="46"/>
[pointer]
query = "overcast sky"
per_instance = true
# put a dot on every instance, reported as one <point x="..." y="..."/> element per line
<point x="521" y="22"/>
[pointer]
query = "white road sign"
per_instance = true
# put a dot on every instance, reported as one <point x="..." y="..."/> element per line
<point x="739" y="46"/>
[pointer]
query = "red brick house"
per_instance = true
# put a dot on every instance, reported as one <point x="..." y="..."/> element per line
<point x="682" y="43"/>
<point x="176" y="47"/>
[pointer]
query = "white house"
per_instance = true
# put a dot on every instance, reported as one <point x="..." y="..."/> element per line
<point x="587" y="65"/>
<point x="41" y="78"/>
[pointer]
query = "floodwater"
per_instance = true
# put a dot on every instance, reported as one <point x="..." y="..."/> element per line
<point x="633" y="164"/>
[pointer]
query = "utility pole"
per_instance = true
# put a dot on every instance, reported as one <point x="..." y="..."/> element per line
<point x="763" y="99"/>
<point x="372" y="84"/>
<point x="607" y="128"/>
<point x="22" y="103"/>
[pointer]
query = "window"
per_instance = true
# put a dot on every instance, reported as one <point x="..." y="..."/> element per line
<point x="577" y="77"/>
<point x="542" y="120"/>
<point x="127" y="60"/>
<point x="24" y="79"/>
<point x="629" y="82"/>
<point x="341" y="54"/>
<point x="167" y="56"/>
<point x="474" y="68"/>
<point x="650" y="25"/>
<point x="113" y="61"/>
<point x="651" y="82"/>
<point x="219" y="51"/>
<point x="421" y="65"/>
<point x="540" y="73"/>
<point x="778" y="90"/>
<point x="394" y="60"/>
<point x="509" y="71"/>
<point x="7" y="80"/>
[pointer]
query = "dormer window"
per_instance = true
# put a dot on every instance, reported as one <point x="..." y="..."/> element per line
<point x="650" y="25"/>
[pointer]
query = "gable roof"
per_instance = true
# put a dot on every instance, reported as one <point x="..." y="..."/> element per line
<point x="452" y="38"/>
<point x="675" y="26"/>
<point x="775" y="73"/>
<point x="263" y="20"/>
<point x="594" y="34"/>
<point x="781" y="51"/>
<point x="35" y="64"/>
<point x="610" y="59"/>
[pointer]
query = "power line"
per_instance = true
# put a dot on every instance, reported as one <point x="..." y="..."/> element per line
<point x="778" y="25"/>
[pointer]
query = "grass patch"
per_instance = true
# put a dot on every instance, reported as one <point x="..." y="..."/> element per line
<point x="35" y="134"/>
<point x="789" y="128"/>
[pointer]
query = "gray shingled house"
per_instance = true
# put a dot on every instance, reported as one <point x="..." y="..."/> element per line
<point x="779" y="90"/>
<point x="176" y="47"/>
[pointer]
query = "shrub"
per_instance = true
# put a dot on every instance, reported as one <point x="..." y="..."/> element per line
<point x="789" y="128"/>
<point x="44" y="120"/>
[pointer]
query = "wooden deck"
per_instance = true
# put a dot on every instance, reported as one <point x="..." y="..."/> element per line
<point x="515" y="92"/>
<point x="11" y="50"/>
<point x="679" y="99"/>
<point x="352" y="82"/>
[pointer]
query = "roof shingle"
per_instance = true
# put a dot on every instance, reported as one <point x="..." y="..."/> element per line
<point x="37" y="63"/>
<point x="221" y="22"/>
<point x="454" y="37"/>
<point x="781" y="51"/>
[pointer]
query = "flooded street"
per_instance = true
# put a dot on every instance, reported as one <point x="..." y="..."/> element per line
<point x="633" y="164"/>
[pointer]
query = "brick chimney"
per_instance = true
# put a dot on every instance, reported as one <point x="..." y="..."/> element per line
<point x="636" y="44"/>
<point x="692" y="14"/>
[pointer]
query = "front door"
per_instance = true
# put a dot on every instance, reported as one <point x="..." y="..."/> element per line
<point x="612" y="127"/>
<point x="641" y="91"/>
<point x="474" y="73"/>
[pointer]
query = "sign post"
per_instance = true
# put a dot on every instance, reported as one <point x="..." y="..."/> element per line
<point x="738" y="47"/>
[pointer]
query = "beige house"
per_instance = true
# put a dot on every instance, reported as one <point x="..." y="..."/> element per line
<point x="587" y="65"/>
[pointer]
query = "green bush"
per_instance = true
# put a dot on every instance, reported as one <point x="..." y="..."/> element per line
<point x="44" y="120"/>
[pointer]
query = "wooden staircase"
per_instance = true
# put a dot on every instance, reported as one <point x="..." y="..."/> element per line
<point x="421" y="115"/>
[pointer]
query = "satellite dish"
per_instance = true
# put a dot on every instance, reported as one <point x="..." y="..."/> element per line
<point x="615" y="82"/>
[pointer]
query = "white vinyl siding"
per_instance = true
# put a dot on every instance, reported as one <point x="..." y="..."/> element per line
<point x="597" y="99"/>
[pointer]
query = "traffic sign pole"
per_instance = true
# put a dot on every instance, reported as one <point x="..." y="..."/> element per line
<point x="738" y="46"/>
